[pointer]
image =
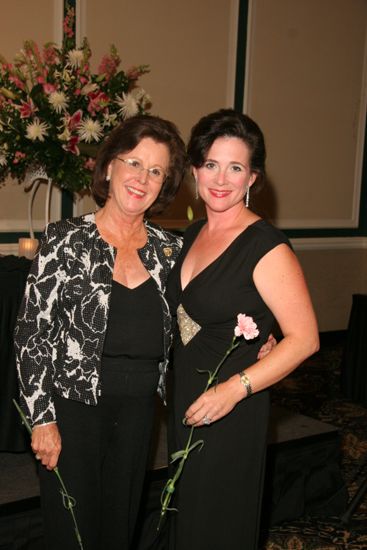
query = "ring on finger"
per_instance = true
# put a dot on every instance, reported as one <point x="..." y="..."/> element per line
<point x="38" y="457"/>
<point x="207" y="420"/>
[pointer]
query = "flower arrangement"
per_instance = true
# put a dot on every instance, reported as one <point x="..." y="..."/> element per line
<point x="247" y="328"/>
<point x="54" y="111"/>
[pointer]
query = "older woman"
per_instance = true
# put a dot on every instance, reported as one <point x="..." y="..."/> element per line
<point x="233" y="262"/>
<point x="93" y="336"/>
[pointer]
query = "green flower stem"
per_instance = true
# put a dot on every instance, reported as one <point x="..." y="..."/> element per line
<point x="183" y="455"/>
<point x="68" y="501"/>
<point x="213" y="376"/>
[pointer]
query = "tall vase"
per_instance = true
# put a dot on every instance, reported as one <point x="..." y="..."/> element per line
<point x="34" y="177"/>
<point x="33" y="180"/>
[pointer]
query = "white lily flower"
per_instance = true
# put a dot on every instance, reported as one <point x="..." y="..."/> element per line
<point x="65" y="135"/>
<point x="88" y="88"/>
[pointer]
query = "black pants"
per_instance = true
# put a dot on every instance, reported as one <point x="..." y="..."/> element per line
<point x="102" y="462"/>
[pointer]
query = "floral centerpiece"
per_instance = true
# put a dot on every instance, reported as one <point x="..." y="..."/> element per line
<point x="54" y="111"/>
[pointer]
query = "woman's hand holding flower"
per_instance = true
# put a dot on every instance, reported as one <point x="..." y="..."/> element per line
<point x="46" y="444"/>
<point x="215" y="403"/>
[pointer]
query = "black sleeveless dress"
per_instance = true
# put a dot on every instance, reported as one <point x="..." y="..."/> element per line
<point x="219" y="494"/>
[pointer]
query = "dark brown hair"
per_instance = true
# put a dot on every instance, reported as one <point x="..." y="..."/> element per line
<point x="228" y="123"/>
<point x="125" y="137"/>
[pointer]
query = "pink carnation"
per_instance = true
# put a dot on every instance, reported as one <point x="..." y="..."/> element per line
<point x="246" y="327"/>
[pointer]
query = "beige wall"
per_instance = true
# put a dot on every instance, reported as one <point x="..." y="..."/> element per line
<point x="306" y="86"/>
<point x="187" y="45"/>
<point x="333" y="276"/>
<point x="304" y="81"/>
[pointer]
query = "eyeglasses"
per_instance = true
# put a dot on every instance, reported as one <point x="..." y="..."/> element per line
<point x="135" y="167"/>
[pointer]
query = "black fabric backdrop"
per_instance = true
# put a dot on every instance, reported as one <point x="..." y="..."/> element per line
<point x="354" y="363"/>
<point x="13" y="274"/>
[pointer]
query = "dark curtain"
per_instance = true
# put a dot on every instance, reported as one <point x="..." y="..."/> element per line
<point x="13" y="275"/>
<point x="354" y="362"/>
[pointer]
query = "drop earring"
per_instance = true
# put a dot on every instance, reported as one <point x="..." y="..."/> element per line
<point x="247" y="199"/>
<point x="108" y="178"/>
<point x="196" y="189"/>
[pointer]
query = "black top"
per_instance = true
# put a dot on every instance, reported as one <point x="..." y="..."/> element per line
<point x="135" y="323"/>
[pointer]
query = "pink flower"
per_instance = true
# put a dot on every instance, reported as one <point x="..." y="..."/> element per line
<point x="71" y="146"/>
<point x="74" y="121"/>
<point x="98" y="101"/>
<point x="49" y="88"/>
<point x="18" y="157"/>
<point x="18" y="83"/>
<point x="27" y="109"/>
<point x="246" y="327"/>
<point x="133" y="73"/>
<point x="50" y="55"/>
<point x="69" y="22"/>
<point x="108" y="66"/>
<point x="90" y="164"/>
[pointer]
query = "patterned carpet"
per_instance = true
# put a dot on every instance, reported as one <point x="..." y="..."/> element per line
<point x="314" y="390"/>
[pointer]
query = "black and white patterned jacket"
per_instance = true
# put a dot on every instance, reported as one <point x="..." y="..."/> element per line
<point x="62" y="321"/>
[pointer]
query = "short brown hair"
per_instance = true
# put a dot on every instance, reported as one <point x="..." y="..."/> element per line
<point x="125" y="137"/>
<point x="228" y="123"/>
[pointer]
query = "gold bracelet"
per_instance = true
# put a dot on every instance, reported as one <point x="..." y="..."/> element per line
<point x="245" y="381"/>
